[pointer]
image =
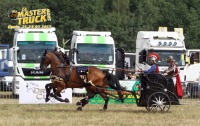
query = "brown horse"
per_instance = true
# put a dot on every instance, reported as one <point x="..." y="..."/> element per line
<point x="64" y="61"/>
<point x="96" y="80"/>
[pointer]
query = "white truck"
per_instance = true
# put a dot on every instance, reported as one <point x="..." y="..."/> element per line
<point x="93" y="48"/>
<point x="192" y="72"/>
<point x="164" y="44"/>
<point x="28" y="48"/>
<point x="89" y="48"/>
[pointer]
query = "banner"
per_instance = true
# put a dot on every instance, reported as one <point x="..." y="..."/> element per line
<point x="129" y="98"/>
<point x="30" y="18"/>
<point x="35" y="93"/>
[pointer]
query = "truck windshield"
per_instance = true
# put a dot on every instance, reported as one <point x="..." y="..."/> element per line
<point x="178" y="56"/>
<point x="95" y="53"/>
<point x="32" y="51"/>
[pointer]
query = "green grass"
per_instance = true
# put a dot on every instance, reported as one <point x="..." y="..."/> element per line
<point x="14" y="114"/>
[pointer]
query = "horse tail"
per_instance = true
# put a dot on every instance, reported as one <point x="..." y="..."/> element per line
<point x="112" y="81"/>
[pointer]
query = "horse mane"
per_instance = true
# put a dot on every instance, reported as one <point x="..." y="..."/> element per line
<point x="54" y="56"/>
<point x="62" y="57"/>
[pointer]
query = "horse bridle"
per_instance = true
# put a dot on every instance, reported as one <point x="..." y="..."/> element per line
<point x="42" y="60"/>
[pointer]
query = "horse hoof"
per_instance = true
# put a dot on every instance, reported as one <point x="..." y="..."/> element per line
<point x="59" y="95"/>
<point x="79" y="109"/>
<point x="47" y="99"/>
<point x="66" y="100"/>
<point x="52" y="95"/>
<point x="102" y="109"/>
<point x="78" y="103"/>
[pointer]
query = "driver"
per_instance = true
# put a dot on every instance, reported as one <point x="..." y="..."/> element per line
<point x="152" y="62"/>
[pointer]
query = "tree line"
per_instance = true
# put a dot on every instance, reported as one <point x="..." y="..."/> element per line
<point x="124" y="18"/>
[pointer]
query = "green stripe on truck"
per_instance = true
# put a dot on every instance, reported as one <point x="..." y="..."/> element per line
<point x="29" y="36"/>
<point x="43" y="37"/>
<point x="95" y="39"/>
<point x="36" y="77"/>
<point x="101" y="40"/>
<point x="29" y="77"/>
<point x="88" y="39"/>
<point x="30" y="65"/>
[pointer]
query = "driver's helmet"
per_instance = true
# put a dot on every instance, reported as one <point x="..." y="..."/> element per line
<point x="153" y="57"/>
<point x="170" y="59"/>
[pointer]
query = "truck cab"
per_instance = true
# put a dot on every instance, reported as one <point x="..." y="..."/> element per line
<point x="90" y="48"/>
<point x="164" y="44"/>
<point x="28" y="48"/>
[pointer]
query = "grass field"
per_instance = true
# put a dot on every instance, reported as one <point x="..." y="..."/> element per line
<point x="13" y="114"/>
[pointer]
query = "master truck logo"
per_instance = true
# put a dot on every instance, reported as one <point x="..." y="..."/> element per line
<point x="30" y="18"/>
<point x="12" y="14"/>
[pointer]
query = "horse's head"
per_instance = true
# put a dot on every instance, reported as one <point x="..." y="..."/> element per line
<point x="45" y="60"/>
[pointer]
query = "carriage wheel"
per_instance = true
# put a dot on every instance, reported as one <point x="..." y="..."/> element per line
<point x="158" y="102"/>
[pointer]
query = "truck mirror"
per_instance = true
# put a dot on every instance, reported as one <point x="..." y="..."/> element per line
<point x="74" y="50"/>
<point x="70" y="55"/>
<point x="142" y="57"/>
<point x="15" y="48"/>
<point x="192" y="58"/>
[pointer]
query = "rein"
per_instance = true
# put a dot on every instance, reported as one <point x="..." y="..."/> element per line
<point x="116" y="69"/>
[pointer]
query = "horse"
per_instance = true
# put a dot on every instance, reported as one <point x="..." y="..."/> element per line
<point x="96" y="81"/>
<point x="64" y="61"/>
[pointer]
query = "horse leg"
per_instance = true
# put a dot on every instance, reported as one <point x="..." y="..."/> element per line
<point x="106" y="98"/>
<point x="119" y="92"/>
<point x="84" y="101"/>
<point x="54" y="91"/>
<point x="48" y="89"/>
<point x="55" y="95"/>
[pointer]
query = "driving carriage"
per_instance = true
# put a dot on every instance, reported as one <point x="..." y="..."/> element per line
<point x="157" y="91"/>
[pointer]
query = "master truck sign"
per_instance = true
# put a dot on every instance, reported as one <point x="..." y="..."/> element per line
<point x="30" y="18"/>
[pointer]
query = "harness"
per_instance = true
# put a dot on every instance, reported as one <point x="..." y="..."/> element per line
<point x="82" y="72"/>
<point x="59" y="79"/>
